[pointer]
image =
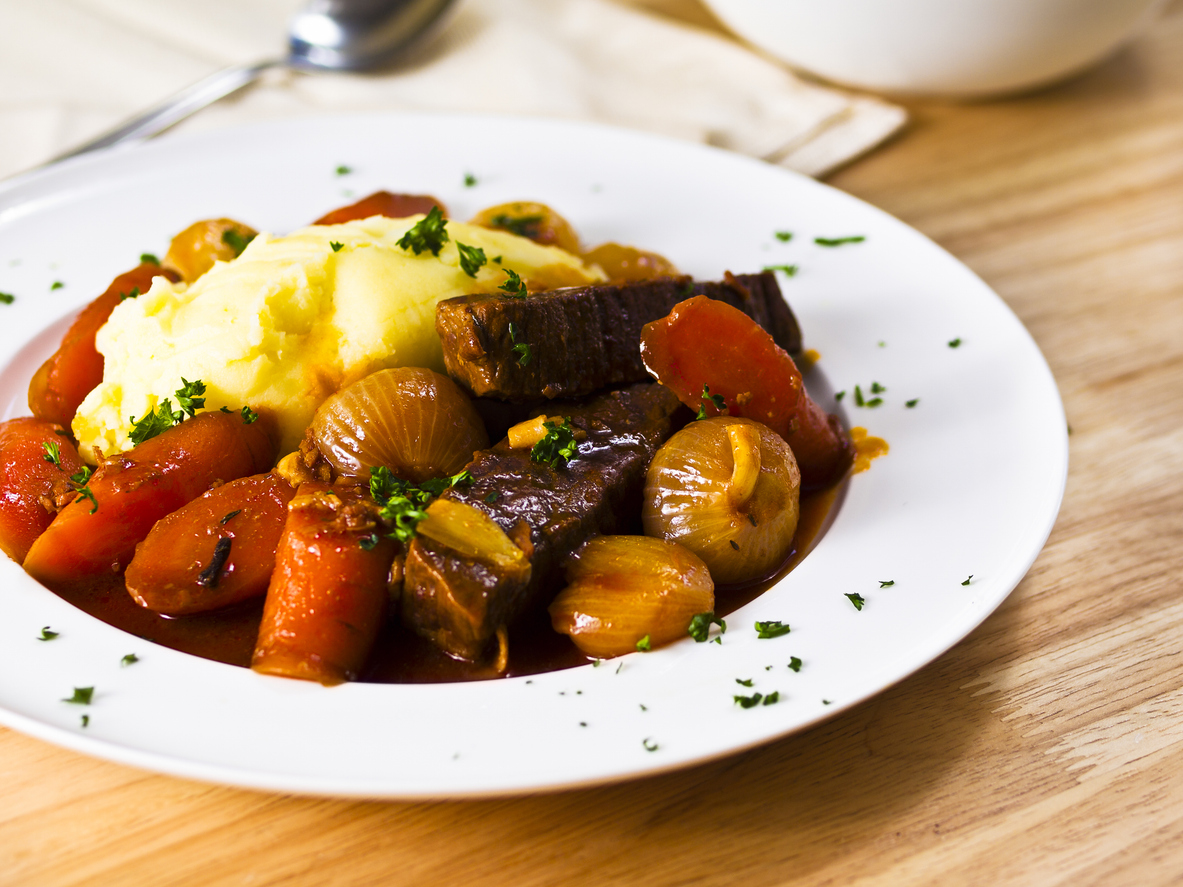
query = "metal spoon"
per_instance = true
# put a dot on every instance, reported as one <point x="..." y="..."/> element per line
<point x="328" y="35"/>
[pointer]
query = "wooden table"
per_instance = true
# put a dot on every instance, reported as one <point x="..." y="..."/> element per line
<point x="1047" y="748"/>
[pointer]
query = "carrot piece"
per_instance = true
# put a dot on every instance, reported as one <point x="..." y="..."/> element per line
<point x="61" y="383"/>
<point x="135" y="489"/>
<point x="382" y="203"/>
<point x="328" y="595"/>
<point x="31" y="484"/>
<point x="216" y="551"/>
<point x="703" y="342"/>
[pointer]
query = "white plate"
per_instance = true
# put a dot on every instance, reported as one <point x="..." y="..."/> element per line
<point x="971" y="486"/>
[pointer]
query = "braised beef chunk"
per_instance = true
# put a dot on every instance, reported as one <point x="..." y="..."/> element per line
<point x="460" y="604"/>
<point x="571" y="342"/>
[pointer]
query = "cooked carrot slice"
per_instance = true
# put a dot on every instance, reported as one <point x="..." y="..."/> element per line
<point x="36" y="461"/>
<point x="61" y="383"/>
<point x="132" y="491"/>
<point x="706" y="344"/>
<point x="216" y="551"/>
<point x="382" y="203"/>
<point x="327" y="597"/>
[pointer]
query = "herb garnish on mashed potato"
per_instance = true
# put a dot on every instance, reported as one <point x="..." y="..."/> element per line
<point x="294" y="318"/>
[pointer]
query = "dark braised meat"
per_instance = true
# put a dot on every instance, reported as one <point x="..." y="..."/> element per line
<point x="581" y="339"/>
<point x="461" y="604"/>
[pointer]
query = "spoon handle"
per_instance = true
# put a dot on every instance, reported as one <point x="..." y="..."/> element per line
<point x="177" y="108"/>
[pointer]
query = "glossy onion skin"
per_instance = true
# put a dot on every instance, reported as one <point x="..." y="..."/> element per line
<point x="534" y="221"/>
<point x="414" y="421"/>
<point x="195" y="250"/>
<point x="623" y="588"/>
<point x="328" y="594"/>
<point x="29" y="483"/>
<point x="687" y="499"/>
<point x="62" y="382"/>
<point x="705" y="342"/>
<point x="137" y="488"/>
<point x="166" y="573"/>
<point x="623" y="264"/>
<point x="382" y="203"/>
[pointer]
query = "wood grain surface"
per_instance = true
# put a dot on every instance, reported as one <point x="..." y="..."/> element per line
<point x="1045" y="749"/>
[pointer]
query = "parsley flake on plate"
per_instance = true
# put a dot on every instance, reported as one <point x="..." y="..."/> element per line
<point x="47" y="634"/>
<point x="649" y="744"/>
<point x="56" y="285"/>
<point x="748" y="701"/>
<point x="857" y="600"/>
<point x="700" y="626"/>
<point x="149" y="259"/>
<point x="794" y="663"/>
<point x="129" y="659"/>
<point x="886" y="583"/>
<point x="772" y="629"/>
<point x="783" y="236"/>
<point x="838" y="241"/>
<point x="787" y="270"/>
<point x="82" y="696"/>
<point x="7" y="298"/>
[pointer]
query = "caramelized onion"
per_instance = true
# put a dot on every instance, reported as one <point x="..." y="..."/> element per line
<point x="622" y="589"/>
<point x="535" y="221"/>
<point x="414" y="421"/>
<point x="627" y="263"/>
<point x="728" y="489"/>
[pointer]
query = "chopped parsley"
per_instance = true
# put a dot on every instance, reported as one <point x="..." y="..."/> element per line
<point x="491" y="498"/>
<point x="53" y="452"/>
<point x="56" y="285"/>
<point x="886" y="583"/>
<point x="230" y="516"/>
<point x="403" y="504"/>
<point x="967" y="578"/>
<point x="787" y="270"/>
<point x="772" y="698"/>
<point x="370" y="542"/>
<point x="82" y="696"/>
<point x="857" y="600"/>
<point x="429" y="234"/>
<point x="558" y="447"/>
<point x="189" y="397"/>
<point x="47" y="634"/>
<point x="700" y="626"/>
<point x="81" y="481"/>
<point x="955" y="343"/>
<point x="744" y="682"/>
<point x="236" y="240"/>
<point x="344" y="170"/>
<point x="472" y="258"/>
<point x="522" y="226"/>
<point x="794" y="663"/>
<point x="876" y="388"/>
<point x="911" y="403"/>
<point x="521" y="349"/>
<point x="86" y="720"/>
<point x="783" y="236"/>
<point x="771" y="629"/>
<point x="649" y="744"/>
<point x="716" y="399"/>
<point x="158" y="420"/>
<point x="249" y="416"/>
<point x="469" y="180"/>
<point x="7" y="298"/>
<point x="336" y="245"/>
<point x="838" y="397"/>
<point x="135" y="291"/>
<point x="149" y="259"/>
<point x="644" y="645"/>
<point x="129" y="659"/>
<point x="838" y="241"/>
<point x="749" y="701"/>
<point x="514" y="285"/>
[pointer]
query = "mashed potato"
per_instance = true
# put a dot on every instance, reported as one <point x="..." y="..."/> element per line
<point x="292" y="319"/>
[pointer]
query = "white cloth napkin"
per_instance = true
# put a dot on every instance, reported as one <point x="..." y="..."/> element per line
<point x="70" y="69"/>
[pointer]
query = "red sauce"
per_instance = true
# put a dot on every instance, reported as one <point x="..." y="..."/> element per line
<point x="401" y="657"/>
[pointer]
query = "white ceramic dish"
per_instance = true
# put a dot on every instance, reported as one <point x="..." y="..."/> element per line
<point x="971" y="486"/>
<point x="966" y="48"/>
